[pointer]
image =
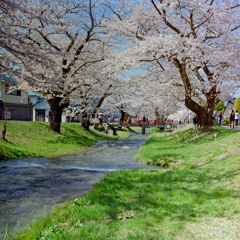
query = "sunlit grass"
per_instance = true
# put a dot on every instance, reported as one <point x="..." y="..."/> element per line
<point x="196" y="196"/>
<point x="187" y="148"/>
<point x="33" y="139"/>
<point x="144" y="204"/>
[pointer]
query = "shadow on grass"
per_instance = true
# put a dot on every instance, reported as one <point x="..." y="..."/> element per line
<point x="185" y="139"/>
<point x="178" y="194"/>
<point x="8" y="153"/>
<point x="204" y="134"/>
<point x="77" y="135"/>
<point x="73" y="136"/>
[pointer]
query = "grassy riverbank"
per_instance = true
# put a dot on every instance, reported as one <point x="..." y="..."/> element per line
<point x="33" y="139"/>
<point x="195" y="196"/>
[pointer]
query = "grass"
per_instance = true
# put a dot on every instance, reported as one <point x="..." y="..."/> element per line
<point x="33" y="139"/>
<point x="187" y="148"/>
<point x="195" y="196"/>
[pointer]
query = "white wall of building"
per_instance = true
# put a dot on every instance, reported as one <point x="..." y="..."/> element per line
<point x="41" y="112"/>
<point x="6" y="98"/>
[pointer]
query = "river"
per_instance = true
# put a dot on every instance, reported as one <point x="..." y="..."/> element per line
<point x="31" y="187"/>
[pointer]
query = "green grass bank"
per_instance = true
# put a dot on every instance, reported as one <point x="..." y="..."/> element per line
<point x="34" y="139"/>
<point x="194" y="196"/>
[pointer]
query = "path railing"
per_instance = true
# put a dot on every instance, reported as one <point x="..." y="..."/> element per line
<point x="165" y="127"/>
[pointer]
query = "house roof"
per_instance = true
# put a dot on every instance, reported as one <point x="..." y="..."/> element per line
<point x="43" y="105"/>
<point x="7" y="79"/>
<point x="32" y="94"/>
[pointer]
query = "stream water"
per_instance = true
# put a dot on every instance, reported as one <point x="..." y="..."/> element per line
<point x="30" y="188"/>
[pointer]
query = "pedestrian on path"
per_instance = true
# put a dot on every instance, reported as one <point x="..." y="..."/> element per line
<point x="129" y="120"/>
<point x="100" y="118"/>
<point x="1" y="109"/>
<point x="68" y="115"/>
<point x="236" y="118"/>
<point x="196" y="122"/>
<point x="220" y="118"/>
<point x="144" y="119"/>
<point x="215" y="116"/>
<point x="232" y="118"/>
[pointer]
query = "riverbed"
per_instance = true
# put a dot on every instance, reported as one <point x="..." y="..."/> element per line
<point x="31" y="187"/>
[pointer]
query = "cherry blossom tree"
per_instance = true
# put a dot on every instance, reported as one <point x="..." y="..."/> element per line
<point x="136" y="97"/>
<point x="91" y="97"/>
<point x="192" y="46"/>
<point x="50" y="47"/>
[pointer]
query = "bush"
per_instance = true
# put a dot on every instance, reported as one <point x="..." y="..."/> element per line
<point x="226" y="121"/>
<point x="220" y="106"/>
<point x="237" y="104"/>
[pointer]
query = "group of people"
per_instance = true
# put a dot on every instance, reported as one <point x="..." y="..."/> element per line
<point x="234" y="117"/>
<point x="144" y="120"/>
<point x="109" y="118"/>
<point x="70" y="115"/>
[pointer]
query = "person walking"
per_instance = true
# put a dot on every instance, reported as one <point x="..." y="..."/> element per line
<point x="73" y="115"/>
<point x="129" y="120"/>
<point x="196" y="121"/>
<point x="236" y="118"/>
<point x="1" y="109"/>
<point x="147" y="119"/>
<point x="100" y="118"/>
<point x="219" y="118"/>
<point x="144" y="119"/>
<point x="68" y="115"/>
<point x="139" y="120"/>
<point x="215" y="116"/>
<point x="232" y="118"/>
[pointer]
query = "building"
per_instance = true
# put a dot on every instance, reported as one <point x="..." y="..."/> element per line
<point x="229" y="107"/>
<point x="16" y="104"/>
<point x="23" y="106"/>
<point x="41" y="108"/>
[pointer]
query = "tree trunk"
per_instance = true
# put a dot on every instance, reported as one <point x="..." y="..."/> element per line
<point x="86" y="117"/>
<point x="57" y="104"/>
<point x="4" y="131"/>
<point x="204" y="112"/>
<point x="122" y="115"/>
<point x="158" y="117"/>
<point x="85" y="120"/>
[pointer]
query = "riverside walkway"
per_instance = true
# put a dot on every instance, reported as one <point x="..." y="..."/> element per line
<point x="165" y="127"/>
<point x="137" y="123"/>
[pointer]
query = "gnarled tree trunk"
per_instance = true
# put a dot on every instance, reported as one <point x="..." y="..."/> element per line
<point x="122" y="115"/>
<point x="204" y="112"/>
<point x="57" y="104"/>
<point x="85" y="120"/>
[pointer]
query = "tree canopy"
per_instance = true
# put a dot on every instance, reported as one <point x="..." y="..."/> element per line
<point x="191" y="47"/>
<point x="188" y="52"/>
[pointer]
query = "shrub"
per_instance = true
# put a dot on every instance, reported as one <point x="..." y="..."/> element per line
<point x="226" y="121"/>
<point x="220" y="106"/>
<point x="237" y="104"/>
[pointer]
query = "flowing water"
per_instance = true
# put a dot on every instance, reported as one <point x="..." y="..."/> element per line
<point x="30" y="188"/>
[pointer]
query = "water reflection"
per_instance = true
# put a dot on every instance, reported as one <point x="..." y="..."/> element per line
<point x="31" y="187"/>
